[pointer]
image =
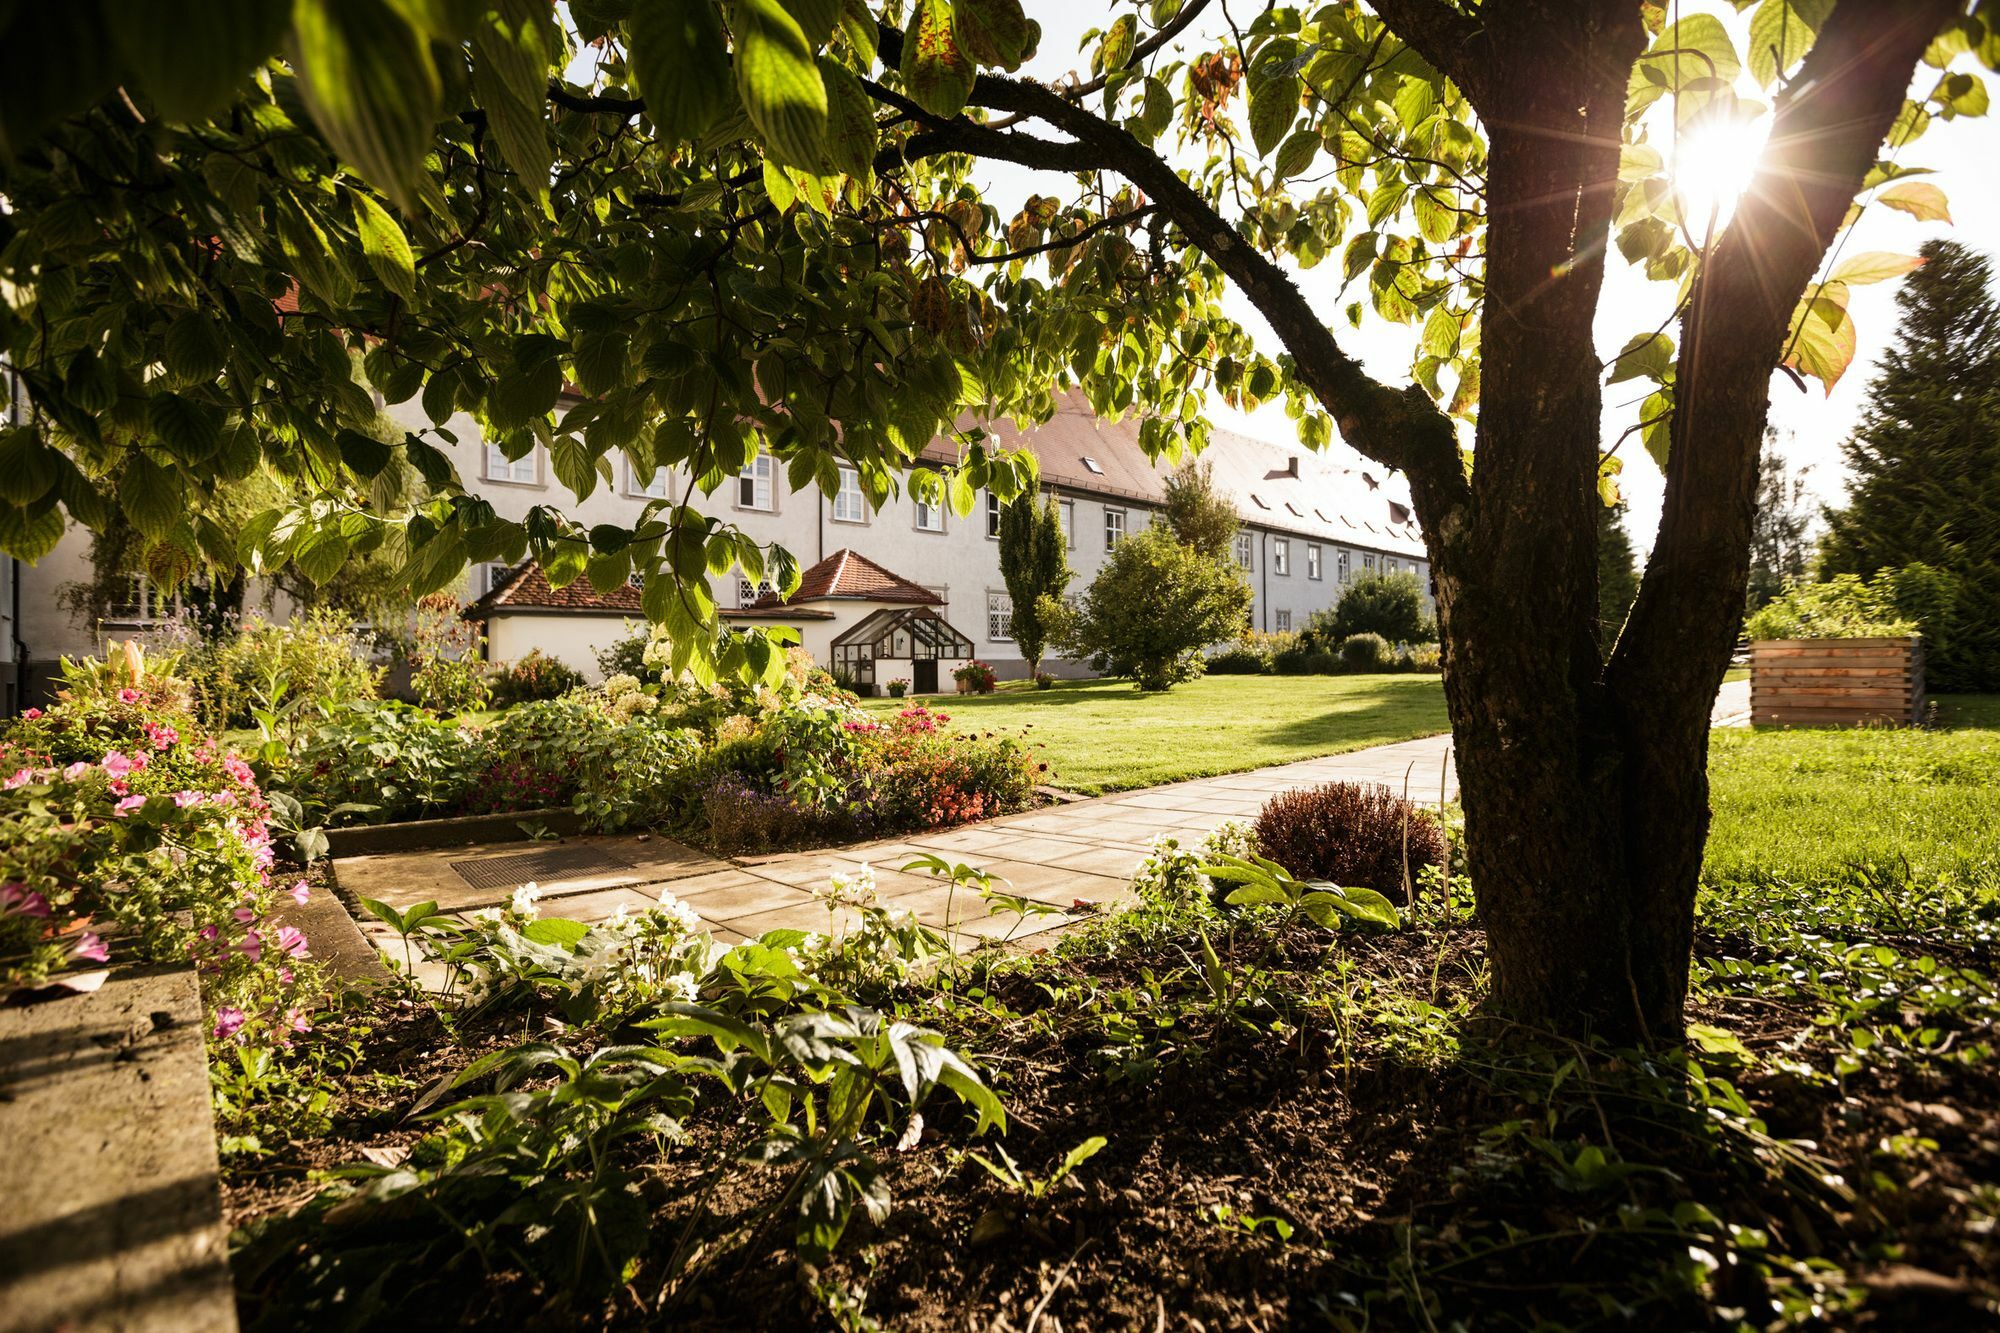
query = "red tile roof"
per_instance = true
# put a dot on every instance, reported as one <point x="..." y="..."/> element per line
<point x="850" y="575"/>
<point x="526" y="588"/>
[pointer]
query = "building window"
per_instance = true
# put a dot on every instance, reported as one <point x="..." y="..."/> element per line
<point x="1246" y="547"/>
<point x="655" y="489"/>
<point x="1368" y="562"/>
<point x="1341" y="570"/>
<point x="1312" y="560"/>
<point x="849" y="505"/>
<point x="485" y="578"/>
<point x="1067" y="509"/>
<point x="992" y="516"/>
<point x="748" y="592"/>
<point x="999" y="617"/>
<point x="1281" y="556"/>
<point x="1114" y="527"/>
<point x="137" y="601"/>
<point x="1092" y="464"/>
<point x="930" y="517"/>
<point x="753" y="484"/>
<point x="515" y="471"/>
<point x="1283" y="620"/>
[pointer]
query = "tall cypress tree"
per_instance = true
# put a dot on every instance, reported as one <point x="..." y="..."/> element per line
<point x="1034" y="563"/>
<point x="1926" y="457"/>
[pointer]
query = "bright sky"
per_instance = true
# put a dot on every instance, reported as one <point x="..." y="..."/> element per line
<point x="1811" y="424"/>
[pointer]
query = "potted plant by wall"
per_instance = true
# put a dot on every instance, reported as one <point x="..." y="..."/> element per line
<point x="975" y="677"/>
<point x="898" y="688"/>
<point x="1841" y="652"/>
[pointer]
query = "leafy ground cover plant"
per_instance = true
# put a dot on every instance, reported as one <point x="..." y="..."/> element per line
<point x="536" y="676"/>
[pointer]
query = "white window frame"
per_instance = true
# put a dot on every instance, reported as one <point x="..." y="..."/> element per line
<point x="489" y="576"/>
<point x="849" y="504"/>
<point x="1246" y="550"/>
<point x="1067" y="510"/>
<point x="147" y="605"/>
<point x="748" y="592"/>
<point x="761" y="473"/>
<point x="656" y="489"/>
<point x="999" y="617"/>
<point x="1114" y="527"/>
<point x="1281" y="556"/>
<point x="1282" y="621"/>
<point x="1343" y="565"/>
<point x="1369" y="562"/>
<point x="1314" y="565"/>
<point x="925" y="509"/>
<point x="523" y="471"/>
<point x="992" y="517"/>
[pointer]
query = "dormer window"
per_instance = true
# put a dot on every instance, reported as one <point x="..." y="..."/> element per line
<point x="1092" y="464"/>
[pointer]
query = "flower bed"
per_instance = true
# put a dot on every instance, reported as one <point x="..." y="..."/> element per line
<point x="125" y="836"/>
<point x="739" y="768"/>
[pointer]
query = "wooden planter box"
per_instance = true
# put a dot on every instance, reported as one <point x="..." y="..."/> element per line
<point x="1836" y="682"/>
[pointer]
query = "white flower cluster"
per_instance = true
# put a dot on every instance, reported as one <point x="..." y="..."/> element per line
<point x="678" y="912"/>
<point x="850" y="890"/>
<point x="620" y="685"/>
<point x="525" y="899"/>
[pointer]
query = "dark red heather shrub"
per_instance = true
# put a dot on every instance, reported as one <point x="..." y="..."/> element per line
<point x="1352" y="834"/>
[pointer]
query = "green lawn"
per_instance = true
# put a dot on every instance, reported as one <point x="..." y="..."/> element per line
<point x="1805" y="804"/>
<point x="1104" y="736"/>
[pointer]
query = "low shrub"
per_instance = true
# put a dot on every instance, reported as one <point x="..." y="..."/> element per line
<point x="742" y="819"/>
<point x="1366" y="652"/>
<point x="536" y="676"/>
<point x="107" y="705"/>
<point x="318" y="656"/>
<point x="1044" y="681"/>
<point x="1358" y="835"/>
<point x="627" y="656"/>
<point x="1845" y="606"/>
<point x="1236" y="661"/>
<point x="1391" y="605"/>
<point x="374" y="762"/>
<point x="1420" y="656"/>
<point x="447" y="674"/>
<point x="1303" y="660"/>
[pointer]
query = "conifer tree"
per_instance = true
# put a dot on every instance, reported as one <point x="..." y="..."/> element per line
<point x="1925" y="458"/>
<point x="1617" y="575"/>
<point x="1034" y="563"/>
<point x="1779" y="549"/>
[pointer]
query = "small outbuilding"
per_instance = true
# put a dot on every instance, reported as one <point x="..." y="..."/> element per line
<point x="522" y="612"/>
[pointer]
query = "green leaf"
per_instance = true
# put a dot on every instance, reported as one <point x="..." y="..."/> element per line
<point x="1781" y="32"/>
<point x="680" y="64"/>
<point x="780" y="84"/>
<point x="993" y="32"/>
<point x="31" y="533"/>
<point x="1874" y="266"/>
<point x="510" y="73"/>
<point x="1696" y="48"/>
<point x="815" y="18"/>
<point x="190" y="56"/>
<point x="1436" y="208"/>
<point x="368" y="82"/>
<point x="937" y="73"/>
<point x="319" y="553"/>
<point x="1295" y="154"/>
<point x="150" y="495"/>
<point x="28" y="466"/>
<point x="1825" y="343"/>
<point x="367" y="457"/>
<point x="1274" y="104"/>
<point x="193" y="349"/>
<point x="193" y="431"/>
<point x="557" y="931"/>
<point x="1920" y="199"/>
<point x="851" y="138"/>
<point x="1647" y="354"/>
<point x="385" y="247"/>
<point x="1119" y="39"/>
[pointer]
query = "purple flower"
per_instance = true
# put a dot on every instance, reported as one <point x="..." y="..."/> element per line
<point x="20" y="900"/>
<point x="128" y="695"/>
<point x="292" y="941"/>
<point x="117" y="764"/>
<point x="228" y="1022"/>
<point x="130" y="803"/>
<point x="89" y="946"/>
<point x="252" y="946"/>
<point x="300" y="893"/>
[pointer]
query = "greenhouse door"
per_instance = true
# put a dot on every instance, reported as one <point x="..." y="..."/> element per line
<point x="924" y="669"/>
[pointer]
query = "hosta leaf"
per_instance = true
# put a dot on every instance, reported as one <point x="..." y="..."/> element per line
<point x="368" y="82"/>
<point x="680" y="62"/>
<point x="935" y="70"/>
<point x="780" y="84"/>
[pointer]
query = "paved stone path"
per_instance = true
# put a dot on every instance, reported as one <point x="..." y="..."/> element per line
<point x="1064" y="856"/>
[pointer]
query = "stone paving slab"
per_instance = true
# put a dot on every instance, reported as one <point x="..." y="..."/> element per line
<point x="112" y="1216"/>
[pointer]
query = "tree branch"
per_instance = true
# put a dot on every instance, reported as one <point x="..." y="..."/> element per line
<point x="1830" y="123"/>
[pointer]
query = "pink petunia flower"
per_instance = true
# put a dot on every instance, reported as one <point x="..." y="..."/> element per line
<point x="130" y="803"/>
<point x="22" y="777"/>
<point x="20" y="900"/>
<point x="75" y="771"/>
<point x="32" y="714"/>
<point x="296" y="1020"/>
<point x="162" y="737"/>
<point x="90" y="946"/>
<point x="228" y="1022"/>
<point x="239" y="770"/>
<point x="300" y="893"/>
<point x="245" y="915"/>
<point x="118" y="764"/>
<point x="184" y="799"/>
<point x="292" y="941"/>
<point x="128" y="695"/>
<point x="252" y="946"/>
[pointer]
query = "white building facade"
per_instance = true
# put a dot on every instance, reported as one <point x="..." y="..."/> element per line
<point x="1310" y="525"/>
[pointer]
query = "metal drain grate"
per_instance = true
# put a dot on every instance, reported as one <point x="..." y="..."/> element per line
<point x="554" y="863"/>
